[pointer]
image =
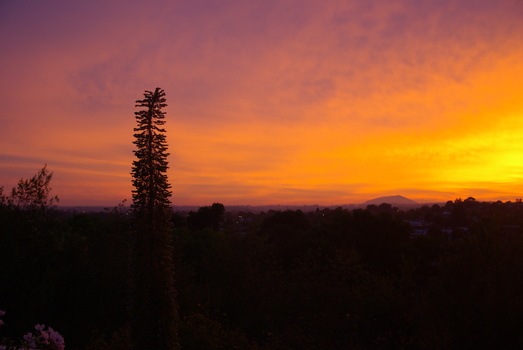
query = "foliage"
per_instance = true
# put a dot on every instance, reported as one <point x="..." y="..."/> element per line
<point x="31" y="193"/>
<point x="207" y="217"/>
<point x="151" y="186"/>
<point x="154" y="313"/>
<point x="43" y="339"/>
<point x="332" y="278"/>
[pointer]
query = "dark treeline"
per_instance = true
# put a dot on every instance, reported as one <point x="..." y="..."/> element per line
<point x="378" y="278"/>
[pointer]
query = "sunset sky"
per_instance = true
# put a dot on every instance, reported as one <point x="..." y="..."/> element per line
<point x="270" y="102"/>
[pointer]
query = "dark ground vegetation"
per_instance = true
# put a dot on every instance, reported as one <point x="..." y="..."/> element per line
<point x="436" y="277"/>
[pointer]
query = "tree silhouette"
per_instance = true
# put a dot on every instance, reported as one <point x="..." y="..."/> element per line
<point x="151" y="192"/>
<point x="31" y="193"/>
<point x="210" y="217"/>
<point x="153" y="300"/>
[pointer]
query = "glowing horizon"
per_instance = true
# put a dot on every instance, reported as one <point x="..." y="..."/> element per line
<point x="290" y="102"/>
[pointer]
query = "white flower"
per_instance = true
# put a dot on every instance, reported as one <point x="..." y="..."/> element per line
<point x="30" y="340"/>
<point x="43" y="338"/>
<point x="44" y="335"/>
<point x="56" y="337"/>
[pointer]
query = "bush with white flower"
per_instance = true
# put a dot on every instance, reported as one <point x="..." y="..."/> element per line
<point x="42" y="339"/>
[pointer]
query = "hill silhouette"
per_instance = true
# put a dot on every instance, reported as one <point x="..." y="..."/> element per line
<point x="395" y="200"/>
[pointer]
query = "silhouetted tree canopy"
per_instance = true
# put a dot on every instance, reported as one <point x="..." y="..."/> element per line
<point x="33" y="193"/>
<point x="209" y="217"/>
<point x="154" y="306"/>
<point x="331" y="278"/>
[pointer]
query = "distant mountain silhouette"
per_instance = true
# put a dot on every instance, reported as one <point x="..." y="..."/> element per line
<point x="391" y="200"/>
